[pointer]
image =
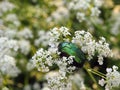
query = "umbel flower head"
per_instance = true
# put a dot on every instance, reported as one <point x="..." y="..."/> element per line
<point x="84" y="9"/>
<point x="72" y="50"/>
<point x="112" y="78"/>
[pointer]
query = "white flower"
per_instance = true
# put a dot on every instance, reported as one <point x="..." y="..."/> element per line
<point x="13" y="19"/>
<point x="98" y="3"/>
<point x="42" y="60"/>
<point x="59" y="15"/>
<point x="6" y="44"/>
<point x="84" y="9"/>
<point x="24" y="46"/>
<point x="64" y="65"/>
<point x="43" y="38"/>
<point x="102" y="82"/>
<point x="90" y="46"/>
<point x="103" y="49"/>
<point x="13" y="44"/>
<point x="112" y="78"/>
<point x="64" y="31"/>
<point x="58" y="34"/>
<point x="5" y="6"/>
<point x="8" y="66"/>
<point x="55" y="34"/>
<point x="81" y="16"/>
<point x="8" y="33"/>
<point x="58" y="82"/>
<point x="25" y="33"/>
<point x="95" y="11"/>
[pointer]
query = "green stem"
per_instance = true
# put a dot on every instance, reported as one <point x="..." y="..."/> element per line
<point x="91" y="75"/>
<point x="97" y="73"/>
<point x="87" y="68"/>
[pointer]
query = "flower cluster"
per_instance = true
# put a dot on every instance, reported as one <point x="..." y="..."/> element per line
<point x="5" y="6"/>
<point x="64" y="57"/>
<point x="7" y="63"/>
<point x="43" y="60"/>
<point x="85" y="41"/>
<point x="43" y="38"/>
<point x="112" y="78"/>
<point x="57" y="35"/>
<point x="12" y="19"/>
<point x="20" y="43"/>
<point x="61" y="13"/>
<point x="6" y="44"/>
<point x="8" y="66"/>
<point x="85" y="8"/>
<point x="56" y="81"/>
<point x="91" y="47"/>
<point x="10" y="41"/>
<point x="26" y="33"/>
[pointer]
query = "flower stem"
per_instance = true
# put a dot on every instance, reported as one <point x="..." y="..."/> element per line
<point x="97" y="73"/>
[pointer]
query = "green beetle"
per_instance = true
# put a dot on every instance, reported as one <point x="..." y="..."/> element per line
<point x="70" y="49"/>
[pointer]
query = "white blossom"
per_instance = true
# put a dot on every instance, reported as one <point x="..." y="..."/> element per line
<point x="84" y="9"/>
<point x="7" y="62"/>
<point x="102" y="82"/>
<point x="58" y="82"/>
<point x="43" y="38"/>
<point x="112" y="78"/>
<point x="6" y="44"/>
<point x="95" y="11"/>
<point x="13" y="19"/>
<point x="25" y="33"/>
<point x="24" y="46"/>
<point x="42" y="60"/>
<point x="5" y="6"/>
<point x="8" y="66"/>
<point x="60" y="14"/>
<point x="90" y="46"/>
<point x="8" y="33"/>
<point x="64" y="65"/>
<point x="80" y="16"/>
<point x="58" y="34"/>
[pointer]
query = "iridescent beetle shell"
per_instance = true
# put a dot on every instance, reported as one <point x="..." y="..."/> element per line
<point x="70" y="49"/>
